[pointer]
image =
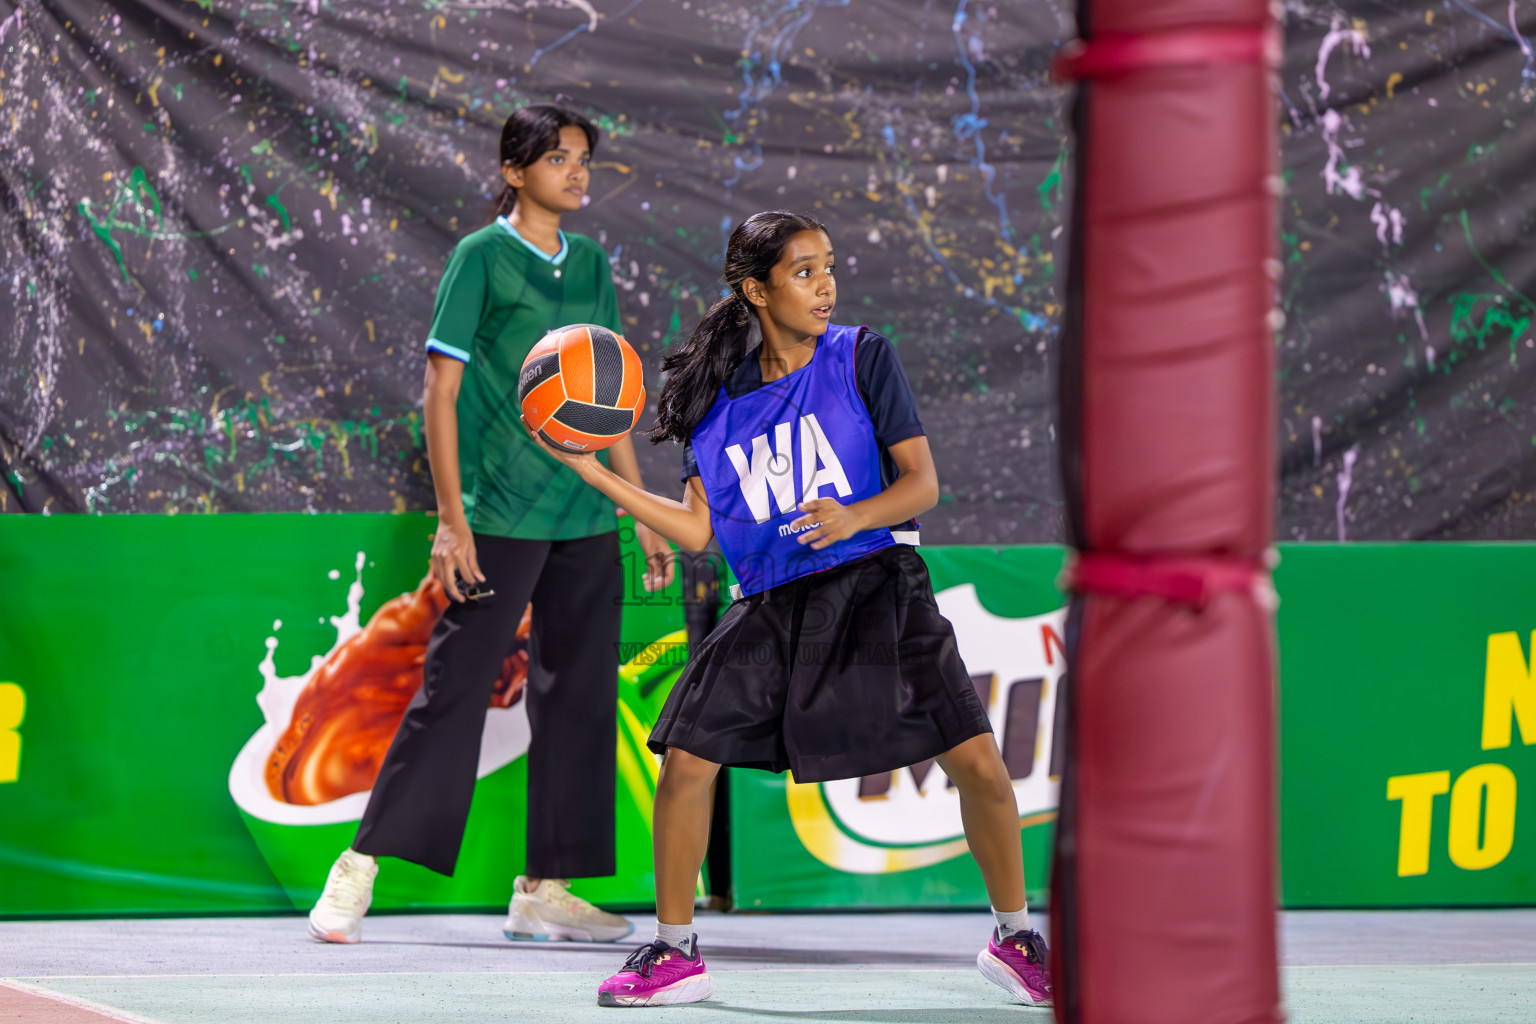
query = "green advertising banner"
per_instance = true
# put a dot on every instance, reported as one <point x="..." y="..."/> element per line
<point x="1407" y="717"/>
<point x="150" y="664"/>
<point x="1408" y="731"/>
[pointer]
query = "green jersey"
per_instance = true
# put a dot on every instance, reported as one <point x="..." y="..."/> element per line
<point x="500" y="295"/>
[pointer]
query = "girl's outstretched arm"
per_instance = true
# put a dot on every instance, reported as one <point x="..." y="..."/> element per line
<point x="661" y="565"/>
<point x="684" y="523"/>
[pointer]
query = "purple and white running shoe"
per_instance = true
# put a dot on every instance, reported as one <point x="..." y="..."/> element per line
<point x="1018" y="964"/>
<point x="658" y="975"/>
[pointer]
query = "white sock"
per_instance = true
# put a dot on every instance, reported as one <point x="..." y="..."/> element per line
<point x="679" y="936"/>
<point x="1011" y="922"/>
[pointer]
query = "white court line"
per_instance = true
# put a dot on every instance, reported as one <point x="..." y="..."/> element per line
<point x="109" y="1012"/>
<point x="734" y="970"/>
<point x="285" y="974"/>
<point x="474" y="974"/>
<point x="1476" y="963"/>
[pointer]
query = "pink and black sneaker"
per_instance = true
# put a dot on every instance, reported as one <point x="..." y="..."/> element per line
<point x="658" y="975"/>
<point x="1017" y="963"/>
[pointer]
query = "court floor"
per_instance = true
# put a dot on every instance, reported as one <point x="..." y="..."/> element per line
<point x="1426" y="967"/>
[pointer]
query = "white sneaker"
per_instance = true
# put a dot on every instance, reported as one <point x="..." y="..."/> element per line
<point x="338" y="914"/>
<point x="549" y="911"/>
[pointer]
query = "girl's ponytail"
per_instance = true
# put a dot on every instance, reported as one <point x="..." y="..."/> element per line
<point x="717" y="345"/>
<point x="505" y="203"/>
<point x="695" y="371"/>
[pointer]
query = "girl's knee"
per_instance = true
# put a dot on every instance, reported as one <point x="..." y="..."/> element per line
<point x="680" y="768"/>
<point x="977" y="767"/>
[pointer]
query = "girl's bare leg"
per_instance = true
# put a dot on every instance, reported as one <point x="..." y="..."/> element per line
<point x="680" y="830"/>
<point x="991" y="817"/>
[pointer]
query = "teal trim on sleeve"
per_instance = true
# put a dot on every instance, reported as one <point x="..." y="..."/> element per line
<point x="433" y="345"/>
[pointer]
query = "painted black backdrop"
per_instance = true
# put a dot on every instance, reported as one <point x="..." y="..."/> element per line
<point x="223" y="225"/>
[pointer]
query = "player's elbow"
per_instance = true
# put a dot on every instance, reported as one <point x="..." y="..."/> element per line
<point x="926" y="489"/>
<point x="697" y="540"/>
<point x="931" y="495"/>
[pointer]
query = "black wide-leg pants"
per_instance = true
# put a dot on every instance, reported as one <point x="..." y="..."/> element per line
<point x="420" y="802"/>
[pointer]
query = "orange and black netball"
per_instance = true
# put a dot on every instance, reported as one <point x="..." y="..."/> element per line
<point x="581" y="388"/>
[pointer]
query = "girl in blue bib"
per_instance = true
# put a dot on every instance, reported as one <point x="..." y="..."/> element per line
<point x="806" y="461"/>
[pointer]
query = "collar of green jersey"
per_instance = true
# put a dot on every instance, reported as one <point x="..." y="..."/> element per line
<point x="557" y="259"/>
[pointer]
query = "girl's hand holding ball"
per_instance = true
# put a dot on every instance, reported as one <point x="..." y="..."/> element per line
<point x="581" y="462"/>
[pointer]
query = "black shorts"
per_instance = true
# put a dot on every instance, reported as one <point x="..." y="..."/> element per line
<point x="839" y="674"/>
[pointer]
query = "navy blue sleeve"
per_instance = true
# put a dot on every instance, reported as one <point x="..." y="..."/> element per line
<point x="690" y="465"/>
<point x="887" y="394"/>
<point x="885" y="389"/>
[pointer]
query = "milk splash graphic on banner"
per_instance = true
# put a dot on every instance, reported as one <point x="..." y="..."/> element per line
<point x="503" y="741"/>
<point x="911" y="819"/>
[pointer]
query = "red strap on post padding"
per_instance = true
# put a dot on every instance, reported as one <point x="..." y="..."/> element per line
<point x="1112" y="55"/>
<point x="1180" y="580"/>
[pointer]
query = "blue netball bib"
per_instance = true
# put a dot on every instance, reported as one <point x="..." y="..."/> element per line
<point x="803" y="436"/>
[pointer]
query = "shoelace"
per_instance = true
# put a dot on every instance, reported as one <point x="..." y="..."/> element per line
<point x="643" y="960"/>
<point x="1031" y="943"/>
<point x="346" y="890"/>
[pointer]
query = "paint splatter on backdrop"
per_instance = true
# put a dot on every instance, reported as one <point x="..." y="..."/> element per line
<point x="224" y="223"/>
<point x="1408" y="363"/>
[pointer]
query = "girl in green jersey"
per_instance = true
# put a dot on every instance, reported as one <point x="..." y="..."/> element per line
<point x="514" y="525"/>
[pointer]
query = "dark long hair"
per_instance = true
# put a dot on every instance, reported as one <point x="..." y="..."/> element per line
<point x="697" y="369"/>
<point x="531" y="132"/>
